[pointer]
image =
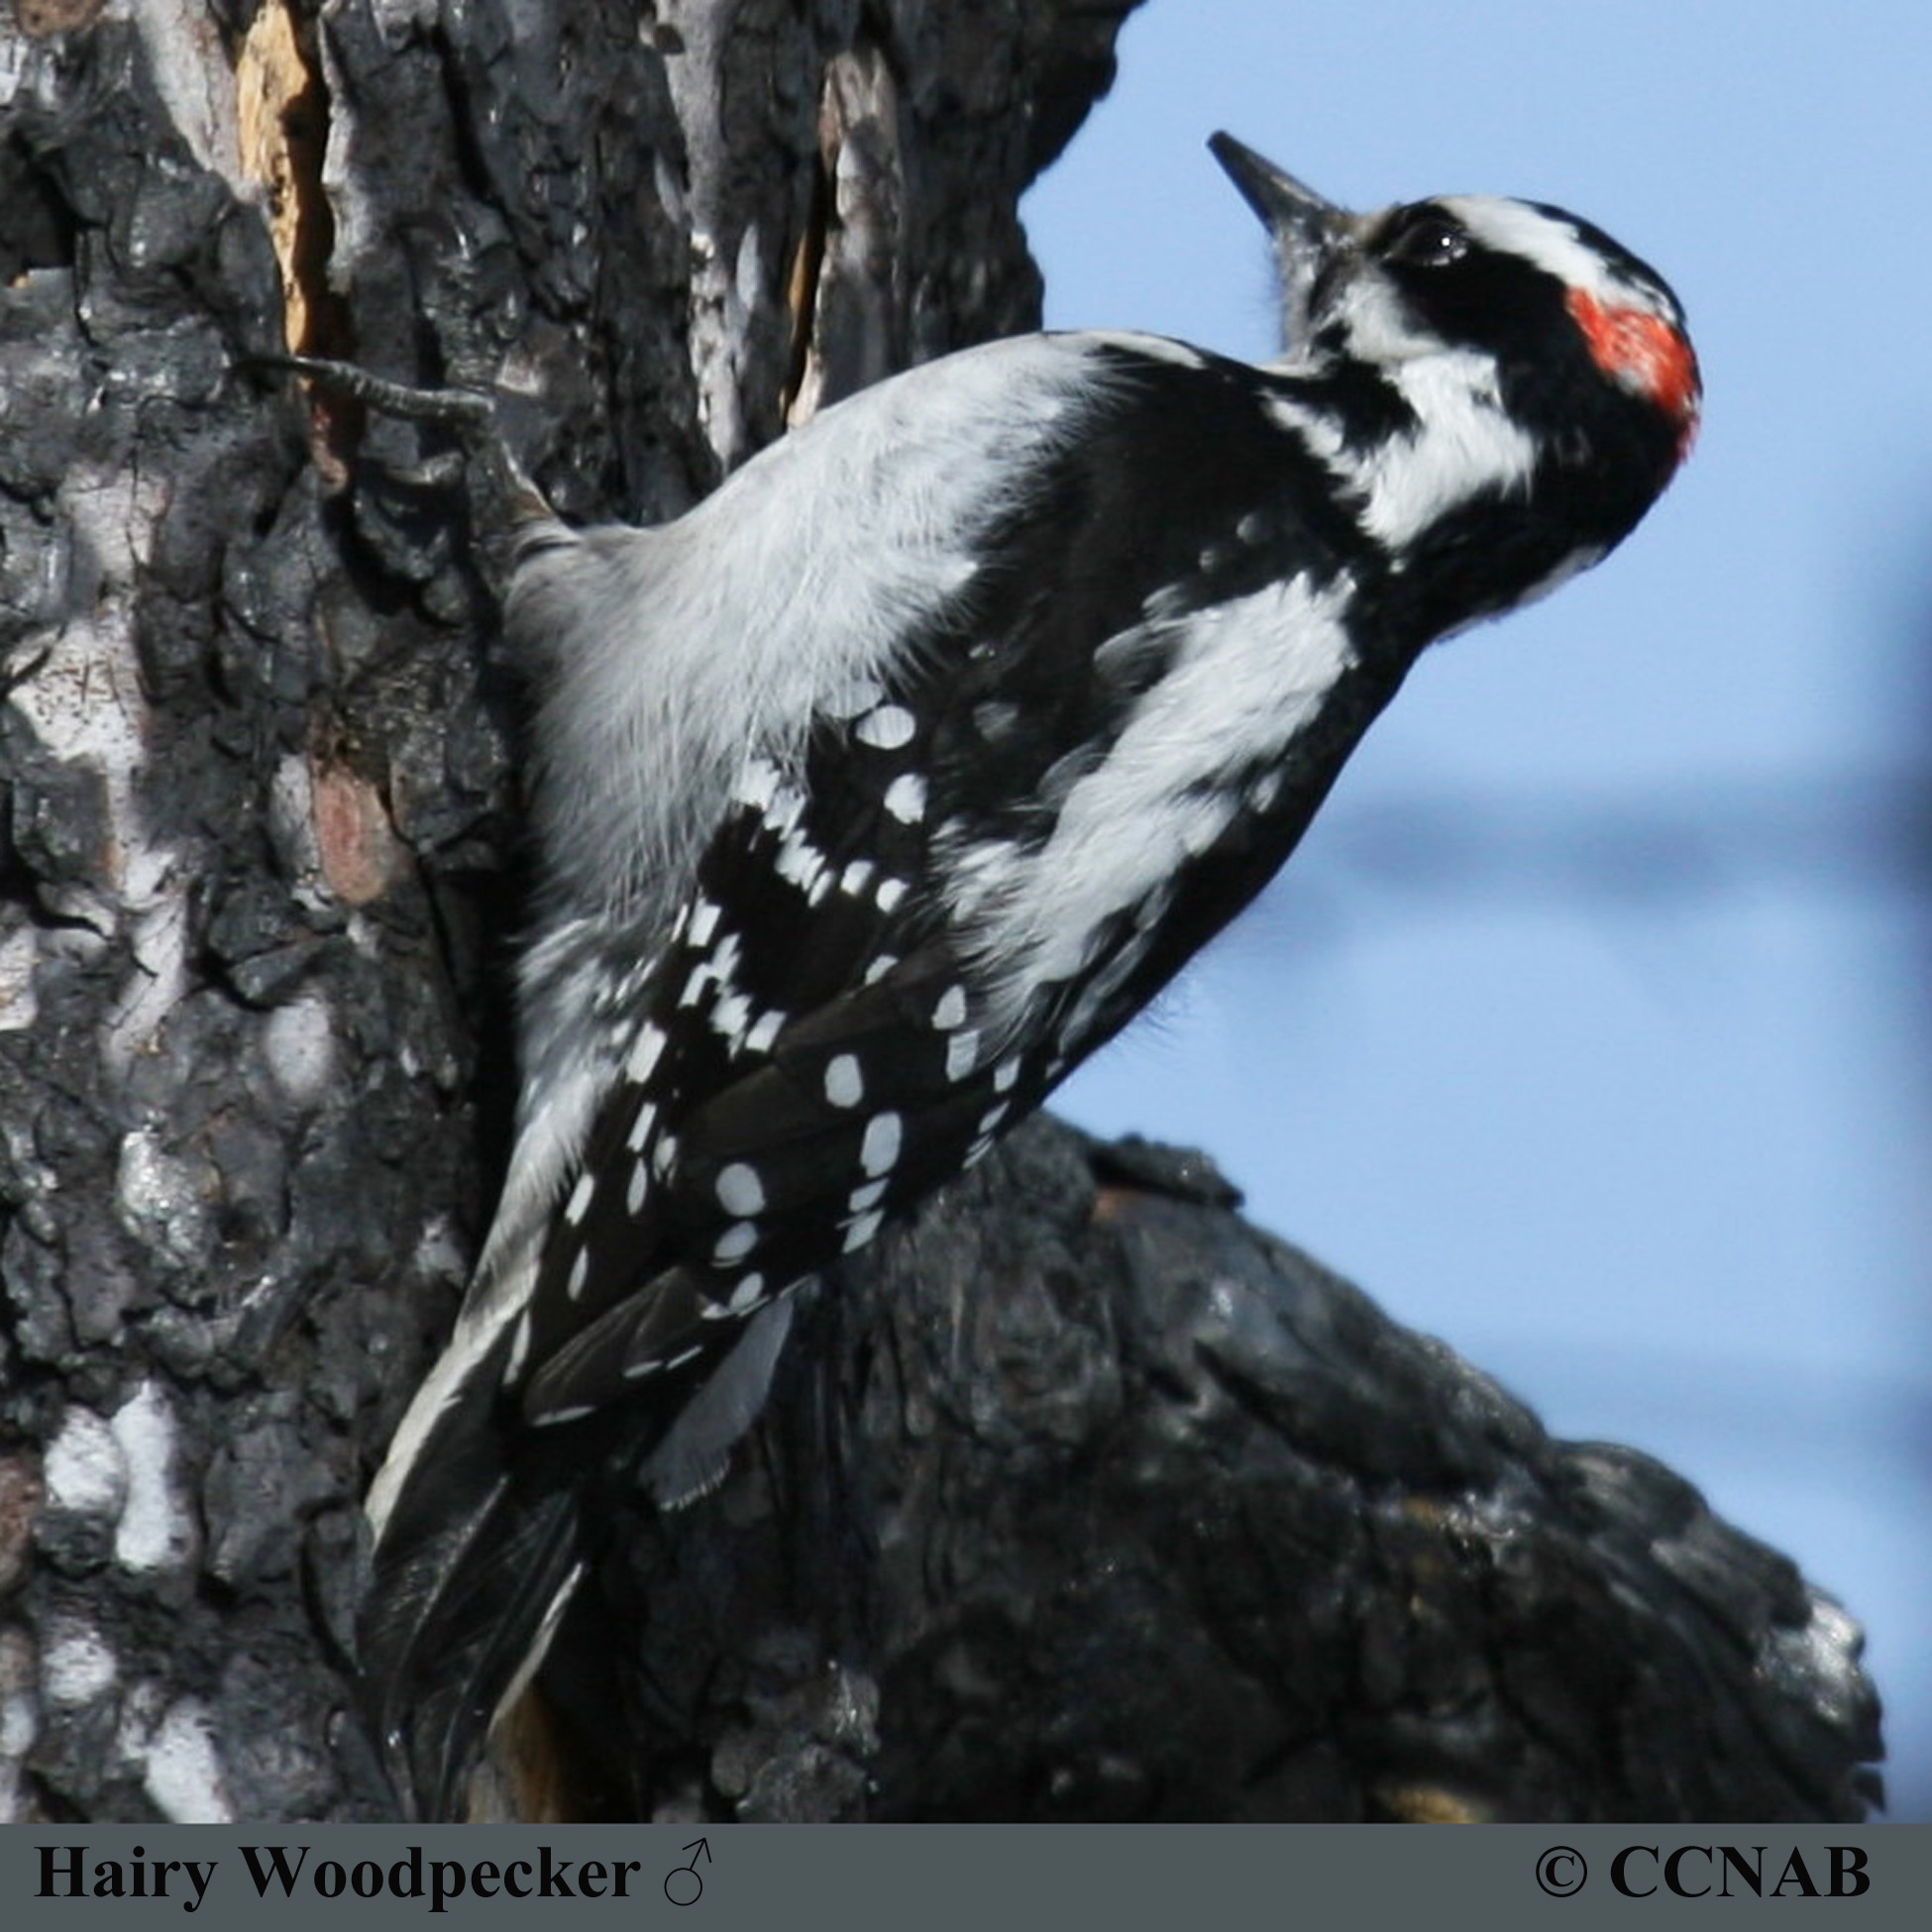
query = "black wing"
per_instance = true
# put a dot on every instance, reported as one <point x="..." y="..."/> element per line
<point x="825" y="1042"/>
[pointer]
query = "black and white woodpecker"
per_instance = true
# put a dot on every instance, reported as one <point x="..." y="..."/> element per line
<point x="877" y="791"/>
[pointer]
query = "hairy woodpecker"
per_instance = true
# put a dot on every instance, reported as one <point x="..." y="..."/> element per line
<point x="881" y="789"/>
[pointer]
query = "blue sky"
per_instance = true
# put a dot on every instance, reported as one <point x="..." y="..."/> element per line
<point x="1588" y="1028"/>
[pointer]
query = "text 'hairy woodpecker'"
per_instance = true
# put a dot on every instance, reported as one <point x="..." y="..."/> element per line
<point x="881" y="789"/>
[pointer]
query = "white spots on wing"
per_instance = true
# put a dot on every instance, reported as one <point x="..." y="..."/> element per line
<point x="891" y="893"/>
<point x="644" y="1054"/>
<point x="994" y="1116"/>
<point x="1169" y="605"/>
<point x="731" y="1019"/>
<point x="856" y="877"/>
<point x="879" y="1151"/>
<point x="868" y="1196"/>
<point x="799" y="861"/>
<point x="736" y="1241"/>
<point x="886" y="728"/>
<point x="684" y="1356"/>
<point x="962" y="1053"/>
<point x="844" y="1082"/>
<point x="635" y="1371"/>
<point x="764" y="1030"/>
<point x="876" y="969"/>
<point x="861" y="1230"/>
<point x="758" y="785"/>
<point x="1252" y="527"/>
<point x="1133" y="659"/>
<point x="748" y="1295"/>
<point x="951" y="1010"/>
<point x="739" y="1190"/>
<point x="550" y="1417"/>
<point x="703" y="923"/>
<point x="579" y="1274"/>
<point x="1262" y="793"/>
<point x="725" y="957"/>
<point x="1006" y="1074"/>
<point x="519" y="1349"/>
<point x="780" y="818"/>
<point x="905" y="798"/>
<point x="978" y="1151"/>
<point x="640" y="1186"/>
<point x="579" y="1204"/>
<point x="663" y="1156"/>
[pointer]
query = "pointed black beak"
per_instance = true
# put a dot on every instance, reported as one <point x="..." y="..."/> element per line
<point x="1306" y="230"/>
<point x="1272" y="193"/>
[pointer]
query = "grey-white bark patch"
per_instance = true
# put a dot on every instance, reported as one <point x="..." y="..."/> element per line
<point x="439" y="1256"/>
<point x="164" y="1199"/>
<point x="156" y="983"/>
<point x="156" y="1531"/>
<point x="20" y="1719"/>
<point x="292" y="823"/>
<point x="76" y="1666"/>
<point x="719" y="269"/>
<point x="84" y="697"/>
<point x="19" y="1001"/>
<point x="181" y="1771"/>
<point x="298" y="1042"/>
<point x="183" y="43"/>
<point x="87" y="1467"/>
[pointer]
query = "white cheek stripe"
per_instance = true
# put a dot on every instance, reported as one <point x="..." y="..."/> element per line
<point x="1465" y="445"/>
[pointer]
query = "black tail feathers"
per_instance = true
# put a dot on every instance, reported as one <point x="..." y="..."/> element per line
<point x="473" y="1566"/>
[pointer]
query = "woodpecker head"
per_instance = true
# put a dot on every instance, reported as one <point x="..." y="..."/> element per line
<point x="1587" y="342"/>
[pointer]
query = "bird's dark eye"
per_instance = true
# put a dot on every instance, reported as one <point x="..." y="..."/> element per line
<point x="1429" y="239"/>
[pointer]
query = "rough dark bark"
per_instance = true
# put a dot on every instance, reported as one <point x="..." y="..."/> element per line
<point x="257" y="867"/>
<point x="1091" y="1502"/>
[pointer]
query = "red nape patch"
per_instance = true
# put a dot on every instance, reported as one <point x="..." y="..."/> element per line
<point x="1644" y="353"/>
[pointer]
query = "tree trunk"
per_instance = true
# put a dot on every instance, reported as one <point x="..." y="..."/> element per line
<point x="1095" y="1547"/>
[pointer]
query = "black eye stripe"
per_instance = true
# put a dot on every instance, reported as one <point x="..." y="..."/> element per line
<point x="1426" y="238"/>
